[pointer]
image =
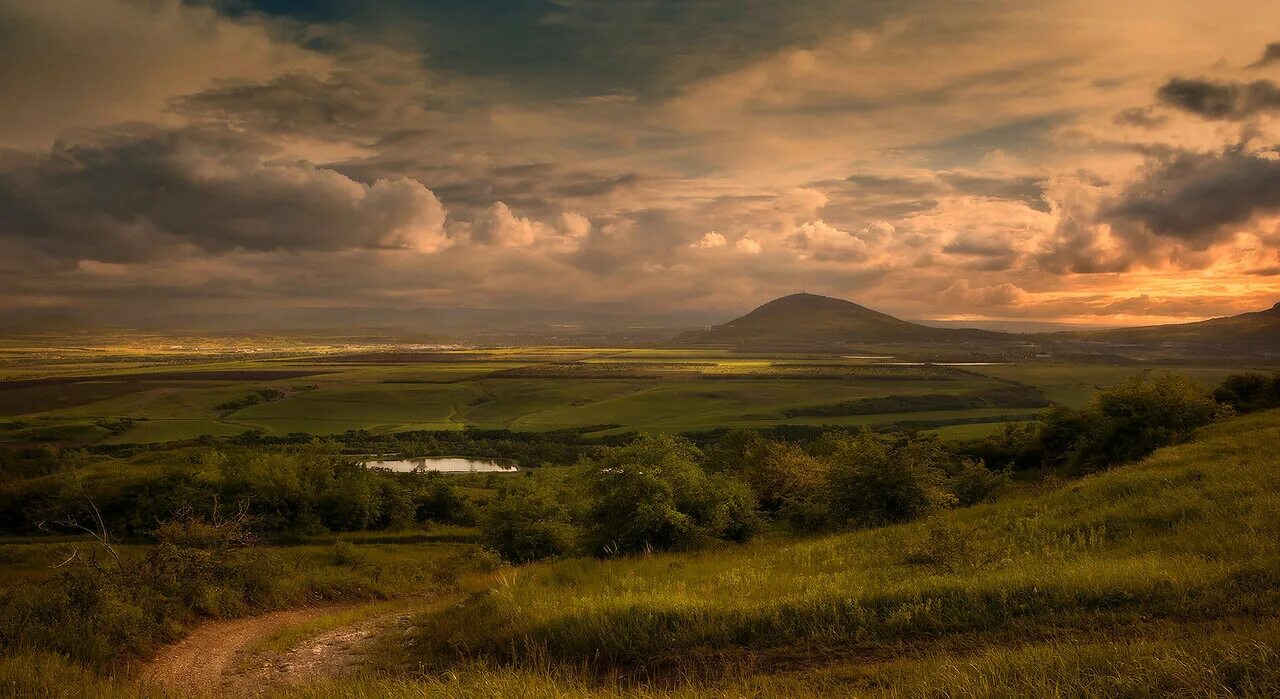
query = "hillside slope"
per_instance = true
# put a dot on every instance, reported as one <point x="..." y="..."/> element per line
<point x="1175" y="557"/>
<point x="1257" y="329"/>
<point x="812" y="320"/>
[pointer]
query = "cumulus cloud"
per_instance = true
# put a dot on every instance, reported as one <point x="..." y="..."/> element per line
<point x="709" y="240"/>
<point x="140" y="194"/>
<point x="574" y="225"/>
<point x="1080" y="243"/>
<point x="499" y="226"/>
<point x="820" y="240"/>
<point x="1221" y="100"/>
<point x="748" y="246"/>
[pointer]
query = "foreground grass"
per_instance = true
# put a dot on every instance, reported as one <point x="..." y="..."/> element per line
<point x="92" y="629"/>
<point x="1230" y="659"/>
<point x="1226" y="659"/>
<point x="1189" y="535"/>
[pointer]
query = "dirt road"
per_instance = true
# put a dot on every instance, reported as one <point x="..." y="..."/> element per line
<point x="215" y="659"/>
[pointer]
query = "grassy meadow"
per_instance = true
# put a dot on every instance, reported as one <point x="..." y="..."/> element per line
<point x="146" y="395"/>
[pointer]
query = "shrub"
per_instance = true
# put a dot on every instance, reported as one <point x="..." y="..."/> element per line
<point x="1133" y="419"/>
<point x="873" y="483"/>
<point x="974" y="483"/>
<point x="780" y="473"/>
<point x="1248" y="393"/>
<point x="652" y="495"/>
<point x="527" y="522"/>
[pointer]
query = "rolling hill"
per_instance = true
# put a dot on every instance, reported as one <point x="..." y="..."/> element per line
<point x="812" y="321"/>
<point x="1259" y="329"/>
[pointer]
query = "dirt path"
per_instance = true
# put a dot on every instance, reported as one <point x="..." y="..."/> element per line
<point x="215" y="659"/>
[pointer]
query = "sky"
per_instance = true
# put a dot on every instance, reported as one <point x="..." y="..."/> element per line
<point x="1082" y="161"/>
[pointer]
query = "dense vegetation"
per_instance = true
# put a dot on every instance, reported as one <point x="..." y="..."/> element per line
<point x="297" y="490"/>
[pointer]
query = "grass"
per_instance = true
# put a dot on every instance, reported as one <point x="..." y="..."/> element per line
<point x="531" y="389"/>
<point x="1160" y="578"/>
<point x="1236" y="659"/>
<point x="1188" y="536"/>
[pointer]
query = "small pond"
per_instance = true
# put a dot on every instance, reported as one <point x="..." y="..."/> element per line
<point x="445" y="464"/>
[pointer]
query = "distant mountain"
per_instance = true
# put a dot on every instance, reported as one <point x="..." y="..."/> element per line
<point x="1260" y="329"/>
<point x="812" y="321"/>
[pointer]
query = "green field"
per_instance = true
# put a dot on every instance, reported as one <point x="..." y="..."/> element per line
<point x="146" y="396"/>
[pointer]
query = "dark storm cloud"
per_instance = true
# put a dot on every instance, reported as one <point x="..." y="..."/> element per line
<point x="1077" y="248"/>
<point x="1200" y="197"/>
<point x="1221" y="100"/>
<point x="139" y="194"/>
<point x="1270" y="56"/>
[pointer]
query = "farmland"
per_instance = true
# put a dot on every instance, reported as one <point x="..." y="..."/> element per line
<point x="132" y="395"/>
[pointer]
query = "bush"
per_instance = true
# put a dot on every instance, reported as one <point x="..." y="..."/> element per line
<point x="873" y="483"/>
<point x="1249" y="393"/>
<point x="653" y="495"/>
<point x="974" y="483"/>
<point x="1129" y="421"/>
<point x="780" y="474"/>
<point x="528" y="522"/>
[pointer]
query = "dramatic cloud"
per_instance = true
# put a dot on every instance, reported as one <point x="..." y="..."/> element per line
<point x="1005" y="294"/>
<point x="1221" y="100"/>
<point x="931" y="158"/>
<point x="85" y="63"/>
<point x="1201" y="197"/>
<point x="133" y="196"/>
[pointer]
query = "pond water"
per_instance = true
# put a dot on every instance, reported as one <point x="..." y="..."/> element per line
<point x="445" y="464"/>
